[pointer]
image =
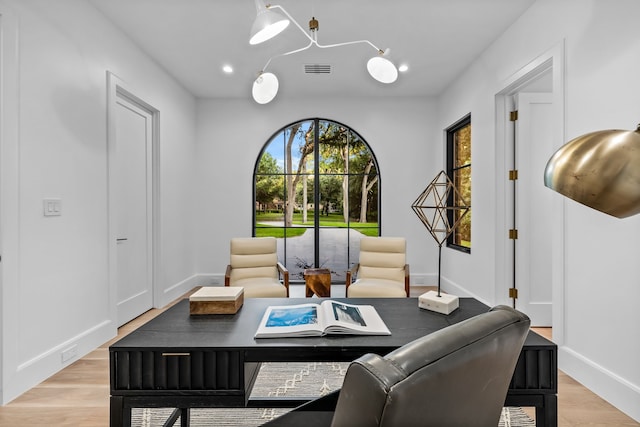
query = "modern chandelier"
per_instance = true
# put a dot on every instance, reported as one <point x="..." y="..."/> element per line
<point x="270" y="23"/>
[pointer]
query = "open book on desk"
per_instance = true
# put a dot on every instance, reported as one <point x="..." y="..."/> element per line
<point x="313" y="320"/>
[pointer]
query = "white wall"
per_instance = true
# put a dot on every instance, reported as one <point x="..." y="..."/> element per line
<point x="599" y="332"/>
<point x="54" y="270"/>
<point x="58" y="293"/>
<point x="232" y="133"/>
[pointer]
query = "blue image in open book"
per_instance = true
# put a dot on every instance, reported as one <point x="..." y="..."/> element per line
<point x="292" y="316"/>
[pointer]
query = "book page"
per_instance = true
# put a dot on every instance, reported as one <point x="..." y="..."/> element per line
<point x="292" y="320"/>
<point x="346" y="313"/>
<point x="292" y="316"/>
<point x="343" y="318"/>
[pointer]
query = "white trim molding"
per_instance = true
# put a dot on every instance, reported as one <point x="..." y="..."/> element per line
<point x="611" y="387"/>
<point x="10" y="386"/>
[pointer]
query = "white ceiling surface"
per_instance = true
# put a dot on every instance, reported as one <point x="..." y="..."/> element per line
<point x="193" y="39"/>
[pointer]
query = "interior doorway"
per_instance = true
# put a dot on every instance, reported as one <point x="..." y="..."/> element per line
<point x="132" y="141"/>
<point x="529" y="236"/>
<point x="529" y="201"/>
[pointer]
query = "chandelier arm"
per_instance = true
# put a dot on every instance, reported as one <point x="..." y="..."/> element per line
<point x="277" y="6"/>
<point x="287" y="53"/>
<point x="314" y="41"/>
<point x="348" y="43"/>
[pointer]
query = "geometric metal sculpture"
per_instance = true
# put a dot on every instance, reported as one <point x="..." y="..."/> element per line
<point x="432" y="209"/>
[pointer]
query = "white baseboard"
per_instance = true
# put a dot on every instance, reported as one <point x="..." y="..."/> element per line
<point x="540" y="314"/>
<point x="32" y="372"/>
<point x="177" y="290"/>
<point x="424" y="279"/>
<point x="616" y="390"/>
<point x="455" y="289"/>
<point x="211" y="279"/>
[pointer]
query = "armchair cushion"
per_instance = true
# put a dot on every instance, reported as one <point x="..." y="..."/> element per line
<point x="377" y="288"/>
<point x="254" y="266"/>
<point x="382" y="270"/>
<point x="382" y="257"/>
<point x="262" y="287"/>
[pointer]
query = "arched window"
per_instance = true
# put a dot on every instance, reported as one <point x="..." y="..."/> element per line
<point x="317" y="190"/>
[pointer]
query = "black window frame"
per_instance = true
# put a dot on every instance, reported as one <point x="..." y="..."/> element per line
<point x="451" y="168"/>
<point x="352" y="259"/>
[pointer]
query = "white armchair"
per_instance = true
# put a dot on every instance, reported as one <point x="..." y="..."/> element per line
<point x="254" y="266"/>
<point x="382" y="270"/>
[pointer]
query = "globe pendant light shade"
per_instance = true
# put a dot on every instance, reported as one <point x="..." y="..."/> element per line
<point x="600" y="170"/>
<point x="268" y="24"/>
<point x="382" y="69"/>
<point x="265" y="88"/>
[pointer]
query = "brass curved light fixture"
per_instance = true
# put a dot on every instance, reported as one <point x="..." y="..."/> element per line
<point x="600" y="170"/>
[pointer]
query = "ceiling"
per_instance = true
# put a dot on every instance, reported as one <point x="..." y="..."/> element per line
<point x="193" y="39"/>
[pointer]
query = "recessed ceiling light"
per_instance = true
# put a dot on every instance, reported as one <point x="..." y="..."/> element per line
<point x="403" y="67"/>
<point x="227" y="69"/>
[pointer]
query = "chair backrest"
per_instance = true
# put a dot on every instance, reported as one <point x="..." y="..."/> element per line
<point x="458" y="376"/>
<point x="382" y="258"/>
<point x="253" y="257"/>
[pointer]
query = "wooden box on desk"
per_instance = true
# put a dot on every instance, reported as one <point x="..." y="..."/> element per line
<point x="216" y="300"/>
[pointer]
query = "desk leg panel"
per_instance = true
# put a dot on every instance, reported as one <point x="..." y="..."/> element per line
<point x="185" y="416"/>
<point x="548" y="412"/>
<point x="119" y="416"/>
<point x="546" y="406"/>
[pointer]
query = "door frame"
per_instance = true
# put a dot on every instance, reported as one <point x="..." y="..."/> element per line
<point x="117" y="88"/>
<point x="553" y="60"/>
<point x="9" y="202"/>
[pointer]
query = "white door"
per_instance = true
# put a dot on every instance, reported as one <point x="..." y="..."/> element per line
<point x="533" y="251"/>
<point x="132" y="180"/>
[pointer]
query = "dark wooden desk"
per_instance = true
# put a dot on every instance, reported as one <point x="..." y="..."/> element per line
<point x="182" y="361"/>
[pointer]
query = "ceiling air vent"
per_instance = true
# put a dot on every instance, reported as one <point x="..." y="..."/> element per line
<point x="317" y="69"/>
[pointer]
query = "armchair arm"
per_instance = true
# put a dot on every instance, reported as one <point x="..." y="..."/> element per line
<point x="227" y="276"/>
<point x="285" y="276"/>
<point x="350" y="273"/>
<point x="406" y="279"/>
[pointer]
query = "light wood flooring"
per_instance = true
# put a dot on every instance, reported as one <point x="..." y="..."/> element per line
<point x="79" y="394"/>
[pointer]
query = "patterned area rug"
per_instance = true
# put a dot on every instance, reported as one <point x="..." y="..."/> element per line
<point x="284" y="379"/>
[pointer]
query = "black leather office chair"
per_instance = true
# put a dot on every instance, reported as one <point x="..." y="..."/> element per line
<point x="457" y="376"/>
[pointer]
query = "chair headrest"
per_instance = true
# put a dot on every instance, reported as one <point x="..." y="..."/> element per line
<point x="253" y="245"/>
<point x="439" y="344"/>
<point x="383" y="244"/>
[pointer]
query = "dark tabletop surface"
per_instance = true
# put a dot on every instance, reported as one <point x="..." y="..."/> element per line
<point x="175" y="330"/>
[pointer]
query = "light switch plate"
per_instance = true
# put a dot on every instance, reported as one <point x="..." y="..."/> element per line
<point x="52" y="207"/>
